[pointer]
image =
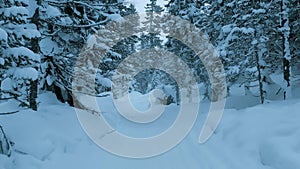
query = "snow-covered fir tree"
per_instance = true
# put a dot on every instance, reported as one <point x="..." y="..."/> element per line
<point x="19" y="61"/>
<point x="251" y="37"/>
<point x="69" y="24"/>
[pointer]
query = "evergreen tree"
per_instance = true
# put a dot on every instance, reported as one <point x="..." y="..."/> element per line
<point x="294" y="40"/>
<point x="69" y="24"/>
<point x="285" y="31"/>
<point x="3" y="45"/>
<point x="19" y="61"/>
<point x="194" y="12"/>
<point x="120" y="51"/>
<point x="243" y="33"/>
<point x="152" y="23"/>
<point x="149" y="79"/>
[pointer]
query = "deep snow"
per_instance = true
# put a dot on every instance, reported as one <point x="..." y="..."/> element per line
<point x="261" y="137"/>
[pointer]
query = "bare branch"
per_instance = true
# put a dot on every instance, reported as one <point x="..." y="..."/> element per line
<point x="78" y="26"/>
<point x="9" y="113"/>
<point x="7" y="142"/>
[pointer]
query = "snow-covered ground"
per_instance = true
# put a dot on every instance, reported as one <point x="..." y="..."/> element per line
<point x="260" y="137"/>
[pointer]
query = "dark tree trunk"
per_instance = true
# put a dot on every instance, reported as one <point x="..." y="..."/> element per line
<point x="285" y="40"/>
<point x="58" y="93"/>
<point x="33" y="95"/>
<point x="36" y="49"/>
<point x="286" y="71"/>
<point x="34" y="83"/>
<point x="260" y="78"/>
<point x="260" y="81"/>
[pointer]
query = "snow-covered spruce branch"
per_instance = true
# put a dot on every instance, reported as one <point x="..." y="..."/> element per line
<point x="14" y="96"/>
<point x="6" y="98"/>
<point x="94" y="6"/>
<point x="78" y="26"/>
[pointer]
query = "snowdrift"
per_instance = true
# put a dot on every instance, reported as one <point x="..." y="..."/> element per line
<point x="261" y="137"/>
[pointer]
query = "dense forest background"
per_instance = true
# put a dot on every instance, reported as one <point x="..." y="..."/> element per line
<point x="257" y="41"/>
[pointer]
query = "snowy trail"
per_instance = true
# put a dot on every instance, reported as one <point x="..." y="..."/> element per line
<point x="261" y="137"/>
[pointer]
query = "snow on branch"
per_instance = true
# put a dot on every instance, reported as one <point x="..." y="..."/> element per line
<point x="94" y="6"/>
<point x="26" y="73"/>
<point x="79" y="26"/>
<point x="19" y="52"/>
<point x="231" y="29"/>
<point x="14" y="95"/>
